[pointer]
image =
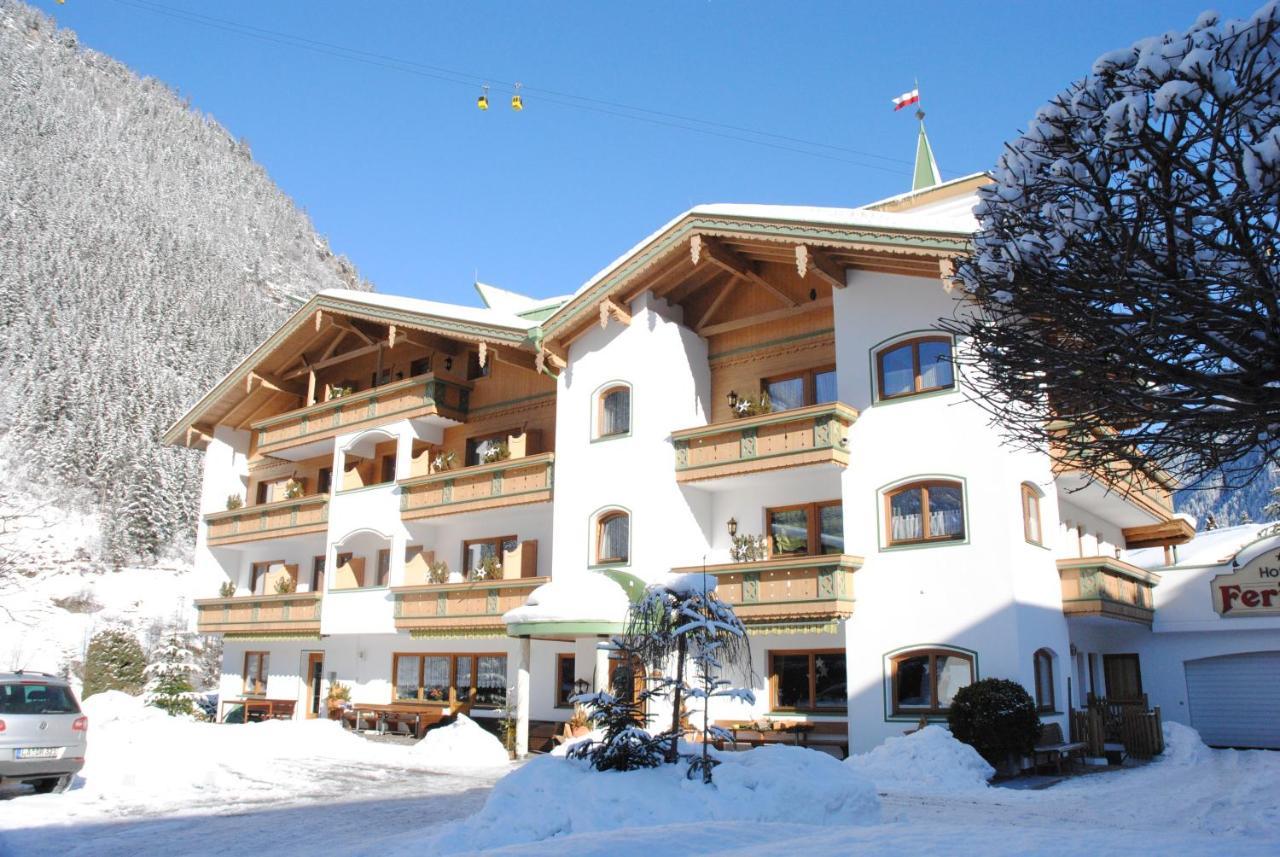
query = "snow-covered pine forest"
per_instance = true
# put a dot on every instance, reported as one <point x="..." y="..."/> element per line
<point x="142" y="253"/>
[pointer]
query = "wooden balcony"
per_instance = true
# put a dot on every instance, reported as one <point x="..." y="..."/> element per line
<point x="295" y="614"/>
<point x="794" y="593"/>
<point x="422" y="395"/>
<point x="1102" y="586"/>
<point x="813" y="435"/>
<point x="472" y="609"/>
<point x="513" y="482"/>
<point x="269" y="520"/>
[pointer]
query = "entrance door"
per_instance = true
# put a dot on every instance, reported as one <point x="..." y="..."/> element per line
<point x="315" y="675"/>
<point x="1124" y="677"/>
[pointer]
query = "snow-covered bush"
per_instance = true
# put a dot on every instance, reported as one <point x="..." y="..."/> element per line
<point x="927" y="760"/>
<point x="997" y="717"/>
<point x="114" y="661"/>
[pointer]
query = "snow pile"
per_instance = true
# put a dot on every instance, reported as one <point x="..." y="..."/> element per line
<point x="1183" y="747"/>
<point x="590" y="597"/>
<point x="461" y="744"/>
<point x="929" y="760"/>
<point x="552" y="797"/>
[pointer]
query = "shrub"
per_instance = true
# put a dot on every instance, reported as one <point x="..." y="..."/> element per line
<point x="227" y="589"/>
<point x="115" y="661"/>
<point x="286" y="585"/>
<point x="234" y="502"/>
<point x="997" y="717"/>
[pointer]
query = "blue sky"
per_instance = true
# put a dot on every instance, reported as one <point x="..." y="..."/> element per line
<point x="421" y="190"/>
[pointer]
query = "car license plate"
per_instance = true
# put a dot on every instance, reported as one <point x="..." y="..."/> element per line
<point x="37" y="753"/>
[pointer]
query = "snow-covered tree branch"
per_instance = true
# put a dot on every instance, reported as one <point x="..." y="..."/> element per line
<point x="1125" y="280"/>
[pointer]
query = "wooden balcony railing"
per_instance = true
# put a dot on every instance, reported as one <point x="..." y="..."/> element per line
<point x="419" y="396"/>
<point x="813" y="435"/>
<point x="513" y="482"/>
<point x="269" y="520"/>
<point x="1102" y="586"/>
<point x="296" y="613"/>
<point x="472" y="609"/>
<point x="788" y="593"/>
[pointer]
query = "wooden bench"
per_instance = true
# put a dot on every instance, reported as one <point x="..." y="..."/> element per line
<point x="416" y="719"/>
<point x="1051" y="748"/>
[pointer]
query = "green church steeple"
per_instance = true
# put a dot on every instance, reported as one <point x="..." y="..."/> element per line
<point x="926" y="172"/>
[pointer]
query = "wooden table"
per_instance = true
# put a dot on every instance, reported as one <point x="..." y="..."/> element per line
<point x="420" y="716"/>
<point x="772" y="732"/>
<point x="268" y="709"/>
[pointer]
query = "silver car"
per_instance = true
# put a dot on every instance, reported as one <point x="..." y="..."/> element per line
<point x="42" y="732"/>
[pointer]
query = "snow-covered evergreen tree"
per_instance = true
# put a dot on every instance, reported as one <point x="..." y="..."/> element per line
<point x="169" y="677"/>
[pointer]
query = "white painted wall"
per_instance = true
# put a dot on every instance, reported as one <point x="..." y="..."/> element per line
<point x="666" y="366"/>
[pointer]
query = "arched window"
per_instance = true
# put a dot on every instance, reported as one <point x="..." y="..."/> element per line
<point x="1043" y="659"/>
<point x="921" y="512"/>
<point x="613" y="538"/>
<point x="1031" y="528"/>
<point x="926" y="680"/>
<point x="613" y="414"/>
<point x="919" y="365"/>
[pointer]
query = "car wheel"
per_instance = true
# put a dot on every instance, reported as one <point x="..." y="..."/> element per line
<point x="53" y="785"/>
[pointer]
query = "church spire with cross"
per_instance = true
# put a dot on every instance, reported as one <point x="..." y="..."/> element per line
<point x="926" y="172"/>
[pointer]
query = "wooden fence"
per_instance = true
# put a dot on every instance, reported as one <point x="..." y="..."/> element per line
<point x="1130" y="724"/>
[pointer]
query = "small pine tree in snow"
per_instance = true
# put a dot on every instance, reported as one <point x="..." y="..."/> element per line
<point x="115" y="661"/>
<point x="626" y="745"/>
<point x="169" y="678"/>
<point x="682" y="620"/>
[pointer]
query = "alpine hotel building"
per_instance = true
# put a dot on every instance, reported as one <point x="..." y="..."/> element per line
<point x="450" y="507"/>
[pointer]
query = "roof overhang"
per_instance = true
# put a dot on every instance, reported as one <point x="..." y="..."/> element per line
<point x="870" y="235"/>
<point x="192" y="429"/>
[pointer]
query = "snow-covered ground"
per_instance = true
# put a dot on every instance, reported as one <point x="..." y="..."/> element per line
<point x="155" y="785"/>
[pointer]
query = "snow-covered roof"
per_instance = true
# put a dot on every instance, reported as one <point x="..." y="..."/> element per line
<point x="590" y="597"/>
<point x="477" y="315"/>
<point x="1211" y="547"/>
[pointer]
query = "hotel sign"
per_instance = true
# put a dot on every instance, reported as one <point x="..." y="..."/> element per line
<point x="1251" y="590"/>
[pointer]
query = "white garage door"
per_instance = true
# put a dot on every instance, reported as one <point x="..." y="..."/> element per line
<point x="1235" y="699"/>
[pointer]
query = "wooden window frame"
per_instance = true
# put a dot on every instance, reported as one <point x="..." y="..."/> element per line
<point x="812" y="510"/>
<point x="1030" y="512"/>
<point x="924" y="485"/>
<point x="452" y="699"/>
<point x="1043" y="693"/>
<point x="383" y="461"/>
<point x="812" y="707"/>
<point x="808" y="376"/>
<point x="261" y="677"/>
<point x="599" y="433"/>
<point x="601" y="520"/>
<point x="933" y="654"/>
<point x="561" y="700"/>
<point x="914" y="344"/>
<point x="498" y="541"/>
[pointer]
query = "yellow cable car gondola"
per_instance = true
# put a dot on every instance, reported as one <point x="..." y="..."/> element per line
<point x="517" y="103"/>
<point x="483" y="101"/>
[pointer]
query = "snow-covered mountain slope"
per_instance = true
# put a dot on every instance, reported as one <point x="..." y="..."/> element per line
<point x="1231" y="507"/>
<point x="142" y="253"/>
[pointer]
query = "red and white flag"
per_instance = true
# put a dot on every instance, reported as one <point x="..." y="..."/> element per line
<point x="906" y="99"/>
